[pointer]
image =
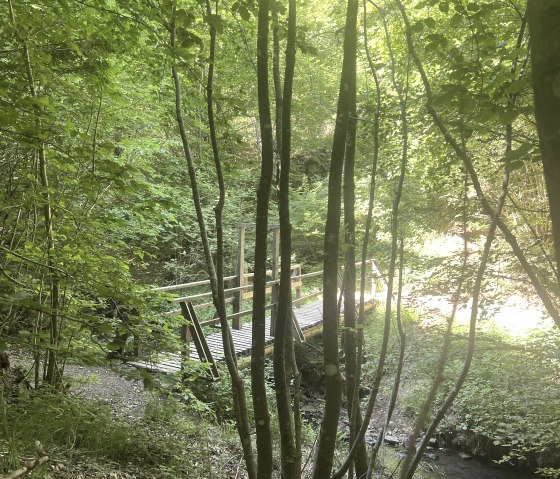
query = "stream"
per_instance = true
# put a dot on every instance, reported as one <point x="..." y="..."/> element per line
<point x="450" y="465"/>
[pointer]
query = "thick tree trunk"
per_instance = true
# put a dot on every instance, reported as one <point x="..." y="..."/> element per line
<point x="544" y="24"/>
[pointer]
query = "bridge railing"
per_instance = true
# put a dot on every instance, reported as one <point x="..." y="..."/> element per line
<point x="237" y="294"/>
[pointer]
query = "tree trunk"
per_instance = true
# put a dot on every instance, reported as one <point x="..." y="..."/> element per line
<point x="290" y="458"/>
<point x="260" y="403"/>
<point x="52" y="374"/>
<point x="350" y="342"/>
<point x="327" y="434"/>
<point x="544" y="24"/>
<point x="238" y="388"/>
<point x="469" y="166"/>
<point x="415" y="452"/>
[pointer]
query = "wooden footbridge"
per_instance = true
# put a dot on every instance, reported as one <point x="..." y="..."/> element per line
<point x="202" y="340"/>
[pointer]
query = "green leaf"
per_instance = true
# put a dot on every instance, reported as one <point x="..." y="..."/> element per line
<point x="473" y="7"/>
<point x="517" y="86"/>
<point x="444" y="7"/>
<point x="42" y="101"/>
<point x="507" y="117"/>
<point x="520" y="152"/>
<point x="430" y="22"/>
<point x="418" y="27"/>
<point x="244" y="12"/>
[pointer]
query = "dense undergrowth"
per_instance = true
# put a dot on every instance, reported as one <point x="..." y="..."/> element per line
<point x="509" y="406"/>
<point x="85" y="439"/>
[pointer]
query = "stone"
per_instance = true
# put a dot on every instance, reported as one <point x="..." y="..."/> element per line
<point x="391" y="440"/>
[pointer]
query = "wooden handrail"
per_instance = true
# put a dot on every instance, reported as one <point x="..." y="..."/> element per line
<point x="308" y="296"/>
<point x="247" y="312"/>
<point x="195" y="297"/>
<point x="206" y="282"/>
<point x="212" y="322"/>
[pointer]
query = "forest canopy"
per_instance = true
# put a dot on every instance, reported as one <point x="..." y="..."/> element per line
<point x="135" y="136"/>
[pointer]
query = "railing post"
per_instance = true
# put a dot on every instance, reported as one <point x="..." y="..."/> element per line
<point x="374" y="279"/>
<point x="137" y="346"/>
<point x="275" y="274"/>
<point x="185" y="343"/>
<point x="240" y="276"/>
<point x="297" y="272"/>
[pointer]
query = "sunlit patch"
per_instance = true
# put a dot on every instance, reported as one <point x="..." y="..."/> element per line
<point x="515" y="315"/>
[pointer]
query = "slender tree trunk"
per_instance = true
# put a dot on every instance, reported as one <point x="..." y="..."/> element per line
<point x="350" y="336"/>
<point x="52" y="373"/>
<point x="283" y="347"/>
<point x="444" y="354"/>
<point x="327" y="434"/>
<point x="369" y="218"/>
<point x="544" y="23"/>
<point x="392" y="268"/>
<point x="400" y="364"/>
<point x="413" y="457"/>
<point x="277" y="96"/>
<point x="238" y="389"/>
<point x="260" y="403"/>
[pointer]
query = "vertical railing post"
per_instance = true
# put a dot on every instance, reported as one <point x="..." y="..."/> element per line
<point x="275" y="276"/>
<point x="373" y="281"/>
<point x="297" y="272"/>
<point x="240" y="276"/>
<point x="185" y="343"/>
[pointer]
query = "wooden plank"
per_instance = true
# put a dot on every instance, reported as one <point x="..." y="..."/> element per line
<point x="309" y="318"/>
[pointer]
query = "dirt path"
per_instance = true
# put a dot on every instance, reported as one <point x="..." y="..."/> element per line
<point x="126" y="397"/>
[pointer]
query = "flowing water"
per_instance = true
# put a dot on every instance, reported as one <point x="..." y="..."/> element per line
<point x="451" y="466"/>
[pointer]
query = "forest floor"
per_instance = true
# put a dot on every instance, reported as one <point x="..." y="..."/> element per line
<point x="209" y="451"/>
<point x="121" y="388"/>
<point x="168" y="437"/>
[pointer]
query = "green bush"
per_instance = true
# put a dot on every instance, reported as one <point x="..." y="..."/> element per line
<point x="65" y="424"/>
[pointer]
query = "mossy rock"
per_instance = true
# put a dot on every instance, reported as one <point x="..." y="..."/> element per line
<point x="309" y="358"/>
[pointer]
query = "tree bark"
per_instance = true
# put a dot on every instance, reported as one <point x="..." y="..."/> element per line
<point x="350" y="341"/>
<point x="290" y="456"/>
<point x="544" y="24"/>
<point x="327" y="434"/>
<point x="258" y="384"/>
<point x="277" y="96"/>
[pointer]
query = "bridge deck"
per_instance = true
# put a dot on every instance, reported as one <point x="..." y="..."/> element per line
<point x="309" y="317"/>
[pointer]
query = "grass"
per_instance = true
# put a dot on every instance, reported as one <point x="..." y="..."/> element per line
<point x="84" y="437"/>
